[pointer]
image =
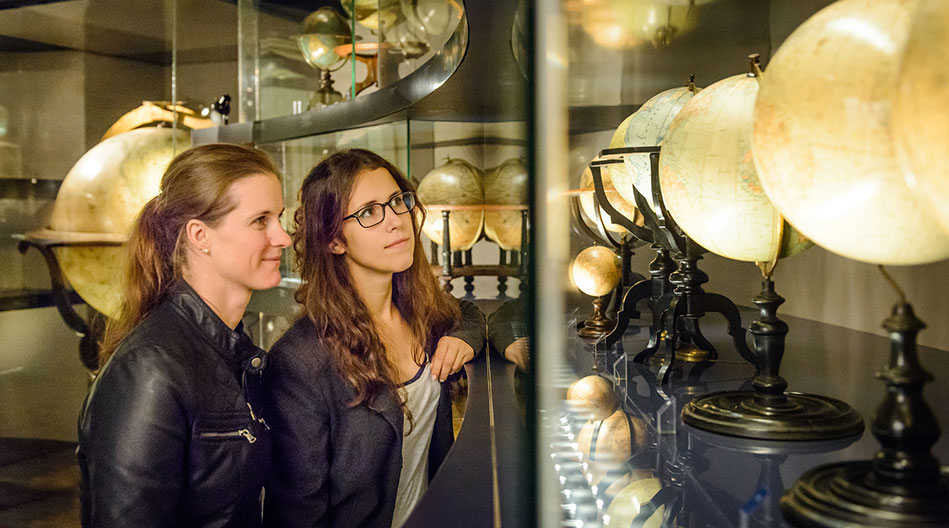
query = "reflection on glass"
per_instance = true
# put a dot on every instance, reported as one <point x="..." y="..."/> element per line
<point x="324" y="31"/>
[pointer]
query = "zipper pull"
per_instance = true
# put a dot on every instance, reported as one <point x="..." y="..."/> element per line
<point x="247" y="435"/>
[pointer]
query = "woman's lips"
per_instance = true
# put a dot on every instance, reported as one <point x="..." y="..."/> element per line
<point x="397" y="243"/>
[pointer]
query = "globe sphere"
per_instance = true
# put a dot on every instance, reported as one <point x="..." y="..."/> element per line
<point x="456" y="182"/>
<point x="920" y="121"/>
<point x="375" y="15"/>
<point x="596" y="271"/>
<point x="822" y="137"/>
<point x="101" y="195"/>
<point x="324" y="30"/>
<point x="612" y="439"/>
<point x="647" y="127"/>
<point x="589" y="205"/>
<point x="629" y="502"/>
<point x="505" y="185"/>
<point x="708" y="178"/>
<point x="593" y="394"/>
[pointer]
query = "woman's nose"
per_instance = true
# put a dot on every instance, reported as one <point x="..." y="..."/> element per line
<point x="280" y="238"/>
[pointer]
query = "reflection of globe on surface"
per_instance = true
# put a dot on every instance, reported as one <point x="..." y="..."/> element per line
<point x="708" y="178"/>
<point x="596" y="271"/>
<point x="519" y="37"/>
<point x="594" y="394"/>
<point x="822" y="140"/>
<point x="612" y="439"/>
<point x="588" y="199"/>
<point x="324" y="30"/>
<point x="632" y="500"/>
<point x="920" y="119"/>
<point x="102" y="194"/>
<point x="456" y="182"/>
<point x="647" y="127"/>
<point x="505" y="185"/>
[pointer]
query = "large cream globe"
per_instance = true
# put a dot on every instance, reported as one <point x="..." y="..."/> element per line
<point x="589" y="205"/>
<point x="505" y="185"/>
<point x="708" y="179"/>
<point x="822" y="136"/>
<point x="630" y="502"/>
<point x="457" y="182"/>
<point x="920" y="118"/>
<point x="647" y="127"/>
<point x="100" y="198"/>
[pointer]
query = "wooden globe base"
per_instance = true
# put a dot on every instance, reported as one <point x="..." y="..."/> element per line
<point x="842" y="494"/>
<point x="800" y="417"/>
<point x="599" y="324"/>
<point x="769" y="412"/>
<point x="904" y="484"/>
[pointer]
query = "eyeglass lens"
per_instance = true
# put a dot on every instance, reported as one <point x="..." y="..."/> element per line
<point x="376" y="213"/>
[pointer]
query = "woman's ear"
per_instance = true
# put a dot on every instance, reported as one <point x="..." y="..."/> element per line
<point x="196" y="233"/>
<point x="337" y="247"/>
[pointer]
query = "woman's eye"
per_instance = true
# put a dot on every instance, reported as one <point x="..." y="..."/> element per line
<point x="397" y="201"/>
<point x="366" y="213"/>
<point x="261" y="220"/>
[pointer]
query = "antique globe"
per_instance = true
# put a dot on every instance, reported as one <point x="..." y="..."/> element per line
<point x="431" y="17"/>
<point x="99" y="200"/>
<point x="596" y="271"/>
<point x="708" y="178"/>
<point x="594" y="395"/>
<point x="588" y="202"/>
<point x="920" y="121"/>
<point x="457" y="182"/>
<point x="376" y="15"/>
<point x="631" y="501"/>
<point x="647" y="127"/>
<point x="505" y="185"/>
<point x="324" y="32"/>
<point x="823" y="141"/>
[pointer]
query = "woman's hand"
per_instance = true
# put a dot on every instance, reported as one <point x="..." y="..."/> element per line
<point x="450" y="355"/>
<point x="517" y="353"/>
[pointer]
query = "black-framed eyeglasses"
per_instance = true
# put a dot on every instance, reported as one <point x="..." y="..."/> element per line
<point x="375" y="213"/>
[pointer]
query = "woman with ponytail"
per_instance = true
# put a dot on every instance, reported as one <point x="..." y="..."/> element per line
<point x="172" y="432"/>
<point x="359" y="406"/>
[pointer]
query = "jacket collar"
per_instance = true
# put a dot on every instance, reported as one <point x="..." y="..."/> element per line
<point x="234" y="345"/>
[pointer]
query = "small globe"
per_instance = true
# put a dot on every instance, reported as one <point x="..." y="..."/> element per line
<point x="456" y="182"/>
<point x="709" y="183"/>
<point x="505" y="185"/>
<point x="823" y="141"/>
<point x="100" y="197"/>
<point x="376" y="15"/>
<point x="324" y="30"/>
<point x="596" y="271"/>
<point x="588" y="199"/>
<point x="647" y="127"/>
<point x="613" y="439"/>
<point x="593" y="394"/>
<point x="920" y="121"/>
<point x="628" y="503"/>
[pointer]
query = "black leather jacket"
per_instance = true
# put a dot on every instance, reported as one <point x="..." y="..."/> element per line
<point x="166" y="435"/>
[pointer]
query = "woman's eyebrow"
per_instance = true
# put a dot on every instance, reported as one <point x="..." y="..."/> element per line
<point x="370" y="202"/>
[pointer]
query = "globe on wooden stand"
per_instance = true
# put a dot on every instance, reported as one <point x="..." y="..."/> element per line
<point x="728" y="212"/>
<point x="596" y="272"/>
<point x="807" y="166"/>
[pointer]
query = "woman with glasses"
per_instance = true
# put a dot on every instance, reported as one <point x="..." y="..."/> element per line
<point x="359" y="408"/>
<point x="172" y="433"/>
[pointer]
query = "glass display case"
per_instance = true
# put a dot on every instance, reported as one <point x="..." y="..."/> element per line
<point x="644" y="329"/>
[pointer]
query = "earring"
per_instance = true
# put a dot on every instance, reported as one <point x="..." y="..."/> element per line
<point x="206" y="251"/>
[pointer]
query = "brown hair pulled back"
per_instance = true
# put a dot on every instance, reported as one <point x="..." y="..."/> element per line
<point x="194" y="186"/>
<point x="328" y="295"/>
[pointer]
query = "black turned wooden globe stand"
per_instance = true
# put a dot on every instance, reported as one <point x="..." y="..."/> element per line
<point x="904" y="485"/>
<point x="768" y="411"/>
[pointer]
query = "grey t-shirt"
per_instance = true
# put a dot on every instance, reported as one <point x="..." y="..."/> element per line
<point x="421" y="395"/>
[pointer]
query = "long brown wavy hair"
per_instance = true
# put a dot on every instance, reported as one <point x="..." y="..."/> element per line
<point x="328" y="295"/>
<point x="194" y="186"/>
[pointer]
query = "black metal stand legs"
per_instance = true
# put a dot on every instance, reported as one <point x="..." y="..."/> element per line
<point x="903" y="485"/>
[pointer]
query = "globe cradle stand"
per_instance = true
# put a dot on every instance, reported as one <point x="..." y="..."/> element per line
<point x="676" y="313"/>
<point x="448" y="264"/>
<point x="768" y="412"/>
<point x="89" y="332"/>
<point x="903" y="485"/>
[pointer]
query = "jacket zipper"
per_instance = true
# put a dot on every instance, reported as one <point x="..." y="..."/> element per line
<point x="232" y="434"/>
